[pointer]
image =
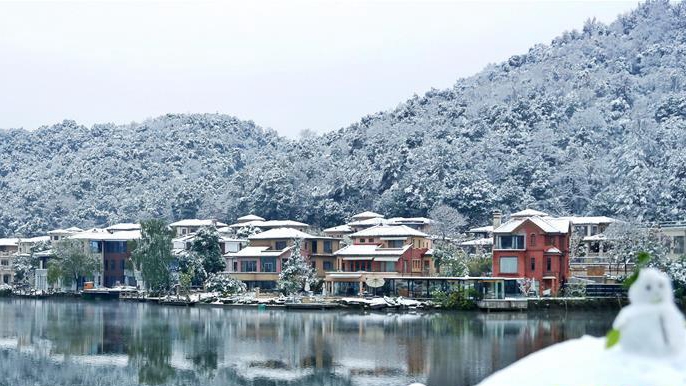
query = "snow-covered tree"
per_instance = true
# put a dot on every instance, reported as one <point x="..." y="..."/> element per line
<point x="205" y="247"/>
<point x="191" y="264"/>
<point x="153" y="255"/>
<point x="74" y="261"/>
<point x="447" y="221"/>
<point x="626" y="241"/>
<point x="296" y="272"/>
<point x="225" y="285"/>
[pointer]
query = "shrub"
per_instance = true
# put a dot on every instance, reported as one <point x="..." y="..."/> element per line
<point x="225" y="285"/>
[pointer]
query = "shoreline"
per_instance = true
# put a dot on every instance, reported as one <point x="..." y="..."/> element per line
<point x="530" y="304"/>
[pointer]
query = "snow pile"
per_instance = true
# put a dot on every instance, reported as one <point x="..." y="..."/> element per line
<point x="646" y="347"/>
<point x="585" y="361"/>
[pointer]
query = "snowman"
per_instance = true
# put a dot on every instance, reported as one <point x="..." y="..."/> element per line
<point x="651" y="325"/>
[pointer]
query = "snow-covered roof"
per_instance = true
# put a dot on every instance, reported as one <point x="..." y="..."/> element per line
<point x="589" y="220"/>
<point x="197" y="223"/>
<point x="65" y="231"/>
<point x="270" y="224"/>
<point x="389" y="230"/>
<point x="38" y="239"/>
<point x="483" y="241"/>
<point x="486" y="229"/>
<point x="104" y="235"/>
<point x="250" y="217"/>
<point x="553" y="250"/>
<point x="548" y="225"/>
<point x="339" y="229"/>
<point x="370" y="250"/>
<point x="596" y="237"/>
<point x="9" y="242"/>
<point x="280" y="233"/>
<point x="409" y="220"/>
<point x="366" y="215"/>
<point x="368" y="222"/>
<point x="231" y="239"/>
<point x="528" y="213"/>
<point x="257" y="252"/>
<point x="124" y="227"/>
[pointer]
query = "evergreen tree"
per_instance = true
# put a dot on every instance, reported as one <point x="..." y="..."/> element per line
<point x="206" y="247"/>
<point x="153" y="255"/>
<point x="295" y="272"/>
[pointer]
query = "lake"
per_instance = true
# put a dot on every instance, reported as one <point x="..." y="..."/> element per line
<point x="71" y="343"/>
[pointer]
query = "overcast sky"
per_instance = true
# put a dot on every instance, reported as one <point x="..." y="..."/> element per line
<point x="289" y="65"/>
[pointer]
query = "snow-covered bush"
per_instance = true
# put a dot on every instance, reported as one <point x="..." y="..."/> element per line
<point x="5" y="289"/>
<point x="225" y="285"/>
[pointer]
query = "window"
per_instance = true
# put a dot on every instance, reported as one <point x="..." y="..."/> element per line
<point x="95" y="247"/>
<point x="594" y="230"/>
<point x="395" y="243"/>
<point x="235" y="266"/>
<point x="533" y="263"/>
<point x="184" y="231"/>
<point x="249" y="266"/>
<point x="510" y="242"/>
<point x="268" y="264"/>
<point x="328" y="266"/>
<point x="416" y="265"/>
<point x="314" y="246"/>
<point x="532" y="240"/>
<point x="548" y="263"/>
<point x="679" y="245"/>
<point x="328" y="248"/>
<point x="508" y="264"/>
<point x="4" y="262"/>
<point x="115" y="246"/>
<point x="362" y="240"/>
<point x="388" y="266"/>
<point x="279" y="245"/>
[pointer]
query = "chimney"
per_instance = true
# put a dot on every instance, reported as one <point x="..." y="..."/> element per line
<point x="497" y="219"/>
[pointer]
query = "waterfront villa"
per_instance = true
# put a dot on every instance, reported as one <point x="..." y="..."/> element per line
<point x="378" y="253"/>
<point x="114" y="248"/>
<point x="481" y="240"/>
<point x="185" y="227"/>
<point x="368" y="219"/>
<point x="254" y="221"/>
<point x="259" y="264"/>
<point x="675" y="232"/>
<point x="532" y="245"/>
<point x="60" y="234"/>
<point x="8" y="248"/>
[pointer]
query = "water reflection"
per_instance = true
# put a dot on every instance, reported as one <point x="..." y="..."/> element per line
<point x="73" y="342"/>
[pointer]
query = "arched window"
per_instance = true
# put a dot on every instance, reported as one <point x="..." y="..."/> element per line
<point x="532" y="240"/>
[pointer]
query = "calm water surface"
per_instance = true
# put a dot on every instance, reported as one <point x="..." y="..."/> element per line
<point x="118" y="343"/>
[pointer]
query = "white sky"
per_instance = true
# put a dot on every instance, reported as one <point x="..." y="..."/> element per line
<point x="285" y="64"/>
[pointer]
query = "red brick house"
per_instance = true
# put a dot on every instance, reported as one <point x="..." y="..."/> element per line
<point x="532" y="245"/>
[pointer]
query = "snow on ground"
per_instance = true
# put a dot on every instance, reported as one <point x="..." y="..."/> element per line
<point x="585" y="361"/>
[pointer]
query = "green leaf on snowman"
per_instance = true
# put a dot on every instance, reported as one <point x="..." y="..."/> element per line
<point x="612" y="338"/>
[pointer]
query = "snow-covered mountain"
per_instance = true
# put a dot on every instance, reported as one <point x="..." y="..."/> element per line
<point x="594" y="122"/>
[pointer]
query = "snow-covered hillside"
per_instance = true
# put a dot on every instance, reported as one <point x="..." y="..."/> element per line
<point x="594" y="122"/>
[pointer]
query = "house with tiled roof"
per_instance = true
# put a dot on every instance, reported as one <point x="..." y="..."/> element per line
<point x="378" y="253"/>
<point x="259" y="264"/>
<point x="533" y="245"/>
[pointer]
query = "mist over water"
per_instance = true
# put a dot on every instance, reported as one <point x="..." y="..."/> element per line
<point x="118" y="343"/>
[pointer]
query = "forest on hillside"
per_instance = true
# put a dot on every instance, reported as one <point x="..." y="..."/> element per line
<point x="592" y="123"/>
